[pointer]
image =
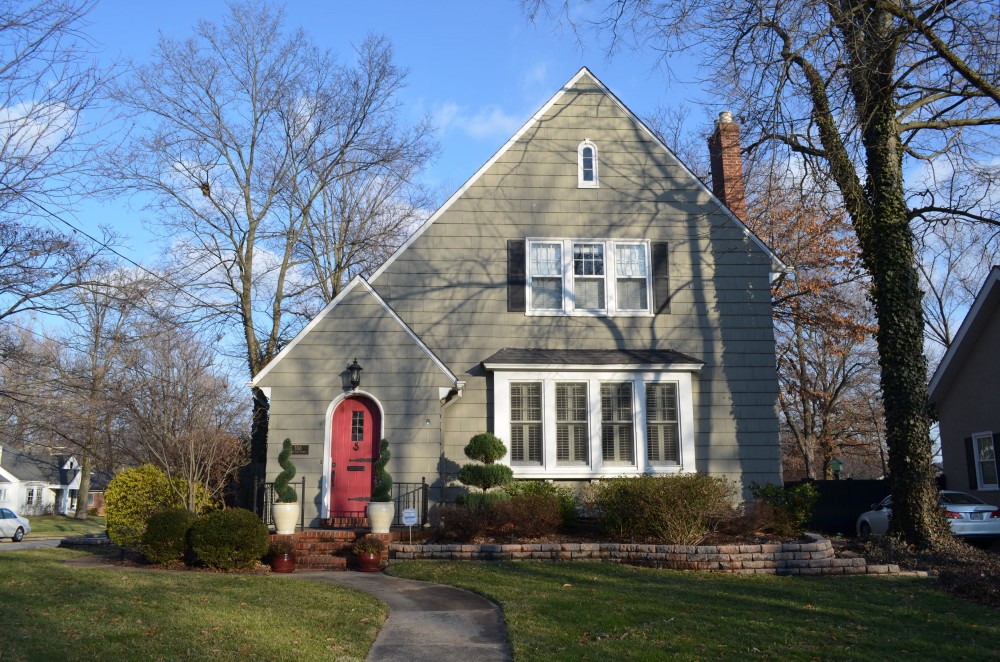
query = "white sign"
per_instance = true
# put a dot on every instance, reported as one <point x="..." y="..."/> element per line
<point x="410" y="516"/>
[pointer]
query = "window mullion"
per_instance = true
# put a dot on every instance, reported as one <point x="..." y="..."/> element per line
<point x="639" y="421"/>
<point x="548" y="424"/>
<point x="610" y="278"/>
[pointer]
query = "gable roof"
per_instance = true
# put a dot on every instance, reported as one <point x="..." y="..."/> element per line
<point x="35" y="468"/>
<point x="357" y="281"/>
<point x="537" y="117"/>
<point x="983" y="308"/>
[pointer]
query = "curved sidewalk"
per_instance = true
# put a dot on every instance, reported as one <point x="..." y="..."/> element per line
<point x="427" y="622"/>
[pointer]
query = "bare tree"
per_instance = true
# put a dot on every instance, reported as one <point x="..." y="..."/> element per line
<point x="245" y="132"/>
<point x="859" y="89"/>
<point x="182" y="416"/>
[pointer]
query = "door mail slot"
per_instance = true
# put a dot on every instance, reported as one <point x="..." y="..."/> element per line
<point x="350" y="468"/>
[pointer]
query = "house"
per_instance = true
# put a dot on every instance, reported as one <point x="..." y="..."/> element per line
<point x="583" y="296"/>
<point x="962" y="389"/>
<point x="45" y="484"/>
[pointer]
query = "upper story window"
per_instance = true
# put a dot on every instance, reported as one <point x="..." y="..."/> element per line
<point x="603" y="277"/>
<point x="984" y="452"/>
<point x="587" y="165"/>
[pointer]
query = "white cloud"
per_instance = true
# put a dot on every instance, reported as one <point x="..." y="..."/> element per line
<point x="487" y="122"/>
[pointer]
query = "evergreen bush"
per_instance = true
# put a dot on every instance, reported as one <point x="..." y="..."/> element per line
<point x="229" y="539"/>
<point x="679" y="509"/>
<point x="382" y="491"/>
<point x="283" y="492"/>
<point x="792" y="507"/>
<point x="132" y="497"/>
<point x="165" y="538"/>
<point x="567" y="502"/>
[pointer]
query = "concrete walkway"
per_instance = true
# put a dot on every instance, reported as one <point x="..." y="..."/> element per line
<point x="427" y="622"/>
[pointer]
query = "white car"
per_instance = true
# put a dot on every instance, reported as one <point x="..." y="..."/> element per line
<point x="12" y="525"/>
<point x="968" y="516"/>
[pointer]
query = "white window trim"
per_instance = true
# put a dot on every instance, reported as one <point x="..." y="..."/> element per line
<point x="610" y="278"/>
<point x="593" y="377"/>
<point x="985" y="487"/>
<point x="580" y="181"/>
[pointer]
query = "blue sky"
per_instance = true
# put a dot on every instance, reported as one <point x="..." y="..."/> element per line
<point x="478" y="68"/>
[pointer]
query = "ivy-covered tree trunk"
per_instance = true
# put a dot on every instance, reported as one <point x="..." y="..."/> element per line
<point x="886" y="240"/>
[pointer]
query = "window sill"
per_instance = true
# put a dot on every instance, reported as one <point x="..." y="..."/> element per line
<point x="587" y="313"/>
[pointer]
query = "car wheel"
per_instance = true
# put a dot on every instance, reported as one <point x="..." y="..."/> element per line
<point x="18" y="535"/>
<point x="865" y="530"/>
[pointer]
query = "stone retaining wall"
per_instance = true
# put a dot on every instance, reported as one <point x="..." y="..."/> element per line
<point x="815" y="557"/>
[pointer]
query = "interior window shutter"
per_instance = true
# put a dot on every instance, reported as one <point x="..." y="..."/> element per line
<point x="972" y="459"/>
<point x="515" y="275"/>
<point x="661" y="278"/>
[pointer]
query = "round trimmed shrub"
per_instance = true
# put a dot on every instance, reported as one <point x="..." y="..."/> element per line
<point x="485" y="447"/>
<point x="165" y="539"/>
<point x="485" y="476"/>
<point x="229" y="539"/>
<point x="132" y="497"/>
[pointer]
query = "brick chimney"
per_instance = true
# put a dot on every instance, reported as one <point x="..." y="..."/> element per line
<point x="727" y="165"/>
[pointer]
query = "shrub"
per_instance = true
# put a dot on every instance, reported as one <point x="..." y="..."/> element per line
<point x="677" y="510"/>
<point x="283" y="492"/>
<point x="460" y="523"/>
<point x="132" y="497"/>
<point x="282" y="546"/>
<point x="228" y="539"/>
<point x="382" y="492"/>
<point x="526" y="515"/>
<point x="567" y="502"/>
<point x="480" y="501"/>
<point x="792" y="507"/>
<point x="485" y="476"/>
<point x="165" y="538"/>
<point x="486" y="448"/>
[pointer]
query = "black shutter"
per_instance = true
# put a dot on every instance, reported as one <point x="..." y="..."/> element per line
<point x="515" y="275"/>
<point x="972" y="461"/>
<point x="661" y="278"/>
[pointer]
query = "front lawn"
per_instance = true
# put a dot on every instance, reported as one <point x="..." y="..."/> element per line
<point x="573" y="611"/>
<point x="60" y="525"/>
<point x="53" y="611"/>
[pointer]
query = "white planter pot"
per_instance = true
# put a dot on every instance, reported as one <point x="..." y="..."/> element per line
<point x="380" y="514"/>
<point x="286" y="516"/>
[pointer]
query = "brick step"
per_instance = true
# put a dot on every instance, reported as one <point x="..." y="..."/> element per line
<point x="320" y="562"/>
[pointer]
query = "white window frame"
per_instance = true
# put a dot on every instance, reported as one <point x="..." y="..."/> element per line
<point x="3" y="494"/>
<point x="593" y="377"/>
<point x="984" y="486"/>
<point x="581" y="182"/>
<point x="568" y="279"/>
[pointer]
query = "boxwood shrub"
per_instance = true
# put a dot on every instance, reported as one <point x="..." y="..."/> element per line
<point x="165" y="539"/>
<point x="229" y="539"/>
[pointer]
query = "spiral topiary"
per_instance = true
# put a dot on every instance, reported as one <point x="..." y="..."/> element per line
<point x="285" y="493"/>
<point x="382" y="490"/>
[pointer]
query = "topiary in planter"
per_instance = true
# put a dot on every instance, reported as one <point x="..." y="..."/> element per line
<point x="382" y="490"/>
<point x="228" y="539"/>
<point x="285" y="493"/>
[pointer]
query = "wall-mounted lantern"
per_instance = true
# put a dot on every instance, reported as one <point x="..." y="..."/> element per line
<point x="355" y="372"/>
<point x="836" y="466"/>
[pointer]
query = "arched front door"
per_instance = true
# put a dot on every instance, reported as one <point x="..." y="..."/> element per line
<point x="356" y="427"/>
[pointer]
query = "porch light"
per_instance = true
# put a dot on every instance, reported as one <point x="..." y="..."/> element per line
<point x="836" y="466"/>
<point x="355" y="371"/>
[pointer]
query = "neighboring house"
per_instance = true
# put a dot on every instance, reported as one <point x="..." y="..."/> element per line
<point x="583" y="296"/>
<point x="45" y="484"/>
<point x="964" y="389"/>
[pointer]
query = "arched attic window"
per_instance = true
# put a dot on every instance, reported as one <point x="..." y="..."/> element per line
<point x="587" y="165"/>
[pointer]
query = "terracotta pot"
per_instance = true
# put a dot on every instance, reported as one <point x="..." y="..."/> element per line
<point x="369" y="562"/>
<point x="283" y="562"/>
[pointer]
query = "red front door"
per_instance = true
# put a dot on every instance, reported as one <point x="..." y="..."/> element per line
<point x="356" y="426"/>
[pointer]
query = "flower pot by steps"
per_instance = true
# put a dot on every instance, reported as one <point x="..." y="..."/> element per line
<point x="283" y="562"/>
<point x="369" y="562"/>
<point x="286" y="516"/>
<point x="380" y="514"/>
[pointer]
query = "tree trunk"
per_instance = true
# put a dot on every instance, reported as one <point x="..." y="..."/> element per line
<point x="83" y="494"/>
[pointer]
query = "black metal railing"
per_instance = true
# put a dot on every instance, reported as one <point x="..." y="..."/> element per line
<point x="410" y="495"/>
<point x="268" y="491"/>
<point x="405" y="495"/>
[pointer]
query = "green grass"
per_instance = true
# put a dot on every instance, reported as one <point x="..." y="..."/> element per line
<point x="577" y="611"/>
<point x="60" y="525"/>
<point x="53" y="611"/>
